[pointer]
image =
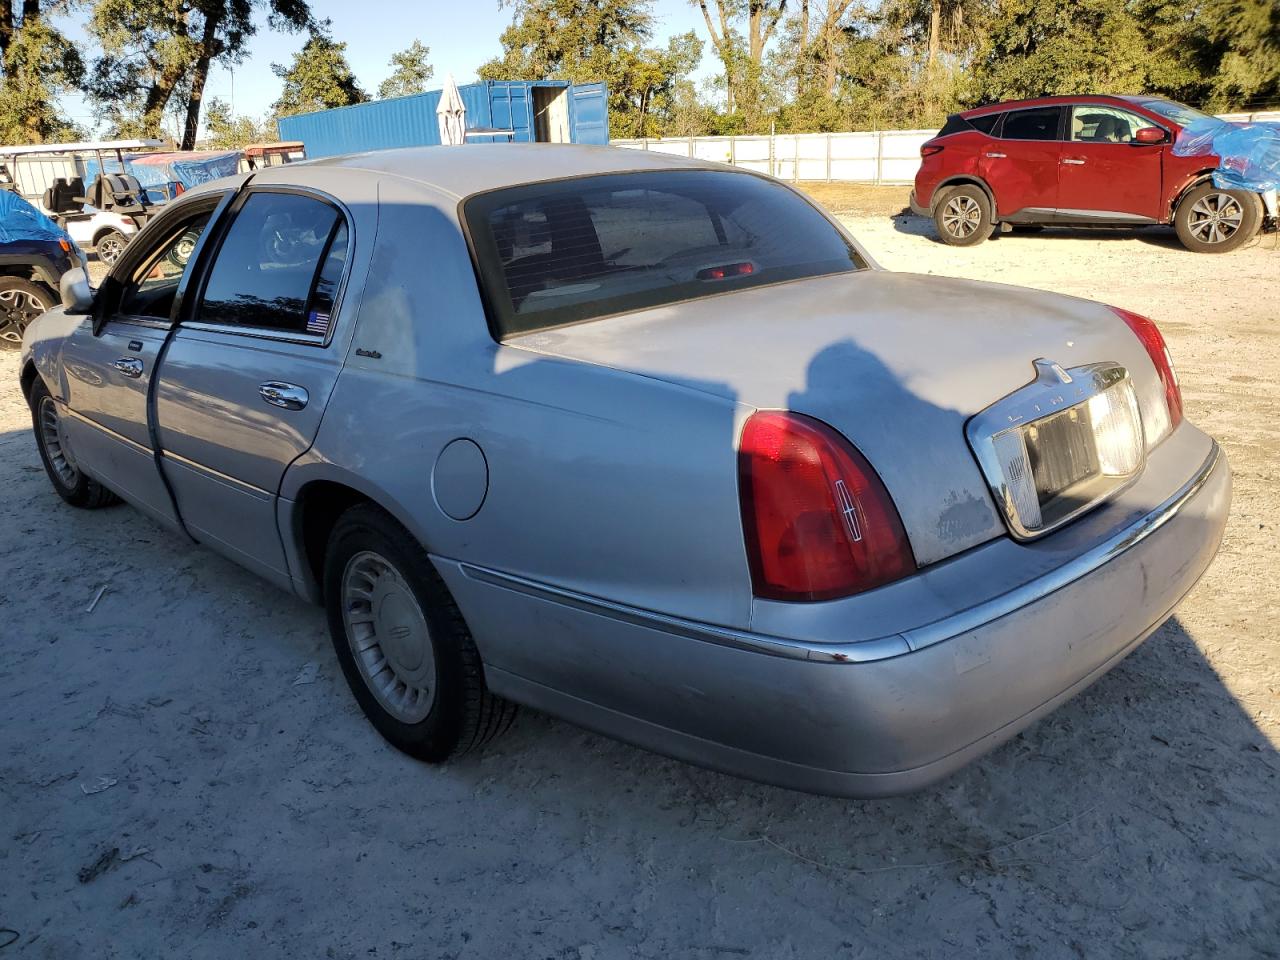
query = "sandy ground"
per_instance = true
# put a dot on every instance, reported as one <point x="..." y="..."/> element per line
<point x="245" y="812"/>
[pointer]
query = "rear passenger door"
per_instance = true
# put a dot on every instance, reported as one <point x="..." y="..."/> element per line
<point x="247" y="373"/>
<point x="1021" y="166"/>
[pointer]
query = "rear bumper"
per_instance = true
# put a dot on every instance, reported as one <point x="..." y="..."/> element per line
<point x="870" y="718"/>
<point x="916" y="208"/>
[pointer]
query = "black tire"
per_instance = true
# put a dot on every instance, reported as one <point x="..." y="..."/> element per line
<point x="72" y="484"/>
<point x="462" y="713"/>
<point x="109" y="245"/>
<point x="962" y="215"/>
<point x="21" y="301"/>
<point x="1206" y="212"/>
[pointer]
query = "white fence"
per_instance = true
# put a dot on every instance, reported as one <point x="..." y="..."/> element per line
<point x="886" y="156"/>
<point x="889" y="156"/>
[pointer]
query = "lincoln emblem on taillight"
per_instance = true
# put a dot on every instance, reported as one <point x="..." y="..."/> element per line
<point x="848" y="510"/>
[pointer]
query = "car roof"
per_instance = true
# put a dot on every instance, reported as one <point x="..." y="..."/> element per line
<point x="1099" y="98"/>
<point x="477" y="167"/>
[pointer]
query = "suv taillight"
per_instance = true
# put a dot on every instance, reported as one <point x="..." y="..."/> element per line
<point x="818" y="522"/>
<point x="929" y="149"/>
<point x="1149" y="335"/>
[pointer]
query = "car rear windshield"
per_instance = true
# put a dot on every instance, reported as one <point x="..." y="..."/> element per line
<point x="572" y="250"/>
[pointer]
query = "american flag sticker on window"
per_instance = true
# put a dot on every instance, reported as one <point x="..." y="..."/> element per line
<point x="318" y="322"/>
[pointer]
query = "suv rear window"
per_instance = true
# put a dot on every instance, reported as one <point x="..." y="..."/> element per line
<point x="1038" y="124"/>
<point x="986" y="123"/>
<point x="572" y="250"/>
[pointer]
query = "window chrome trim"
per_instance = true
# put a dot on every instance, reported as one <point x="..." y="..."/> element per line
<point x="1053" y="391"/>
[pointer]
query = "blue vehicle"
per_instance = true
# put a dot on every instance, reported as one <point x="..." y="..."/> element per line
<point x="34" y="254"/>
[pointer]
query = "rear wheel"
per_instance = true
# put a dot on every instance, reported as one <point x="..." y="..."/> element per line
<point x="405" y="650"/>
<point x="21" y="301"/>
<point x="963" y="216"/>
<point x="1212" y="220"/>
<point x="110" y="245"/>
<point x="72" y="484"/>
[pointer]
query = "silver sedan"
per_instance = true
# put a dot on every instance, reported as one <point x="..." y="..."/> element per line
<point x="647" y="443"/>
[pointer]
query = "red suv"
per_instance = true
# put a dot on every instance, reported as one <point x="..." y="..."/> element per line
<point x="1097" y="161"/>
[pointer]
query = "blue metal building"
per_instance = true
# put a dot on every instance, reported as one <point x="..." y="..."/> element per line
<point x="525" y="111"/>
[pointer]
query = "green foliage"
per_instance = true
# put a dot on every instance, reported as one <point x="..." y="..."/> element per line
<point x="319" y="77"/>
<point x="586" y="41"/>
<point x="411" y="72"/>
<point x="1246" y="37"/>
<point x="225" y="132"/>
<point x="38" y="65"/>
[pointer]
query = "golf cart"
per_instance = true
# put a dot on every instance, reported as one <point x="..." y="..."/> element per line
<point x="52" y="176"/>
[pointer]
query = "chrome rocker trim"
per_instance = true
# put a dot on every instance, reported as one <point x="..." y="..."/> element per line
<point x="881" y="648"/>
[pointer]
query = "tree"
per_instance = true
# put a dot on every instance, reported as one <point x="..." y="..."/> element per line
<point x="411" y="72"/>
<point x="37" y="65"/>
<point x="319" y="77"/>
<point x="157" y="54"/>
<point x="584" y="41"/>
<point x="1246" y="35"/>
<point x="225" y="132"/>
<point x="743" y="56"/>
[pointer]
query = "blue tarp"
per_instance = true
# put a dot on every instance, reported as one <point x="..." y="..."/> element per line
<point x="19" y="220"/>
<point x="158" y="173"/>
<point x="1248" y="153"/>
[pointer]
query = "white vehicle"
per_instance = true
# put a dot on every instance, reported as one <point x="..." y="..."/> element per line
<point x="103" y="231"/>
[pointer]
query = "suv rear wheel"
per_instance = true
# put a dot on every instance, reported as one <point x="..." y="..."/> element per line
<point x="963" y="215"/>
<point x="1212" y="220"/>
<point x="21" y="301"/>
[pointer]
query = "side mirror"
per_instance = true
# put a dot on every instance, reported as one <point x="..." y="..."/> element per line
<point x="1150" y="135"/>
<point x="77" y="295"/>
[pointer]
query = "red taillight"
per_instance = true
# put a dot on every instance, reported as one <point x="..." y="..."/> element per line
<point x="1149" y="334"/>
<point x="929" y="149"/>
<point x="818" y="522"/>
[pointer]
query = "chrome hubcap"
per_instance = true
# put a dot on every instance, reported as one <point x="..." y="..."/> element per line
<point x="1215" y="218"/>
<point x="54" y="441"/>
<point x="961" y="217"/>
<point x="17" y="309"/>
<point x="389" y="637"/>
<point x="110" y="248"/>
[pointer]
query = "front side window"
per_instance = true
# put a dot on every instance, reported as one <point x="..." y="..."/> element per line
<point x="153" y="285"/>
<point x="1095" y="124"/>
<point x="573" y="250"/>
<point x="1038" y="124"/>
<point x="278" y="267"/>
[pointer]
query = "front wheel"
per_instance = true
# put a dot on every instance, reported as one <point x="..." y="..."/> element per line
<point x="402" y="643"/>
<point x="110" y="245"/>
<point x="21" y="301"/>
<point x="73" y="484"/>
<point x="1211" y="220"/>
<point x="963" y="216"/>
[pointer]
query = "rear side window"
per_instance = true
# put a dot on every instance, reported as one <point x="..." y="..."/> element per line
<point x="955" y="124"/>
<point x="278" y="267"/>
<point x="573" y="250"/>
<point x="986" y="124"/>
<point x="1038" y="124"/>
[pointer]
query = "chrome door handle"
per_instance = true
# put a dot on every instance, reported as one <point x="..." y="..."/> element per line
<point x="129" y="366"/>
<point x="995" y="156"/>
<point x="290" y="396"/>
<point x="1074" y="161"/>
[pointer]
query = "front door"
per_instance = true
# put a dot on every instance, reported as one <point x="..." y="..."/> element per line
<point x="1106" y="174"/>
<point x="1021" y="166"/>
<point x="247" y="373"/>
<point x="109" y="372"/>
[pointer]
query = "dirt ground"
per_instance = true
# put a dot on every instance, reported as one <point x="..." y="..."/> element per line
<point x="184" y="774"/>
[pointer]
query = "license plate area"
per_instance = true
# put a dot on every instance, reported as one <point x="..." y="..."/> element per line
<point x="1061" y="445"/>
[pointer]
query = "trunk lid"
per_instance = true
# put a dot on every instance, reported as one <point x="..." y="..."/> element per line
<point x="898" y="363"/>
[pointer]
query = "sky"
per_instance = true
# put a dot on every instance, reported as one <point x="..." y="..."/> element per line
<point x="462" y="35"/>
